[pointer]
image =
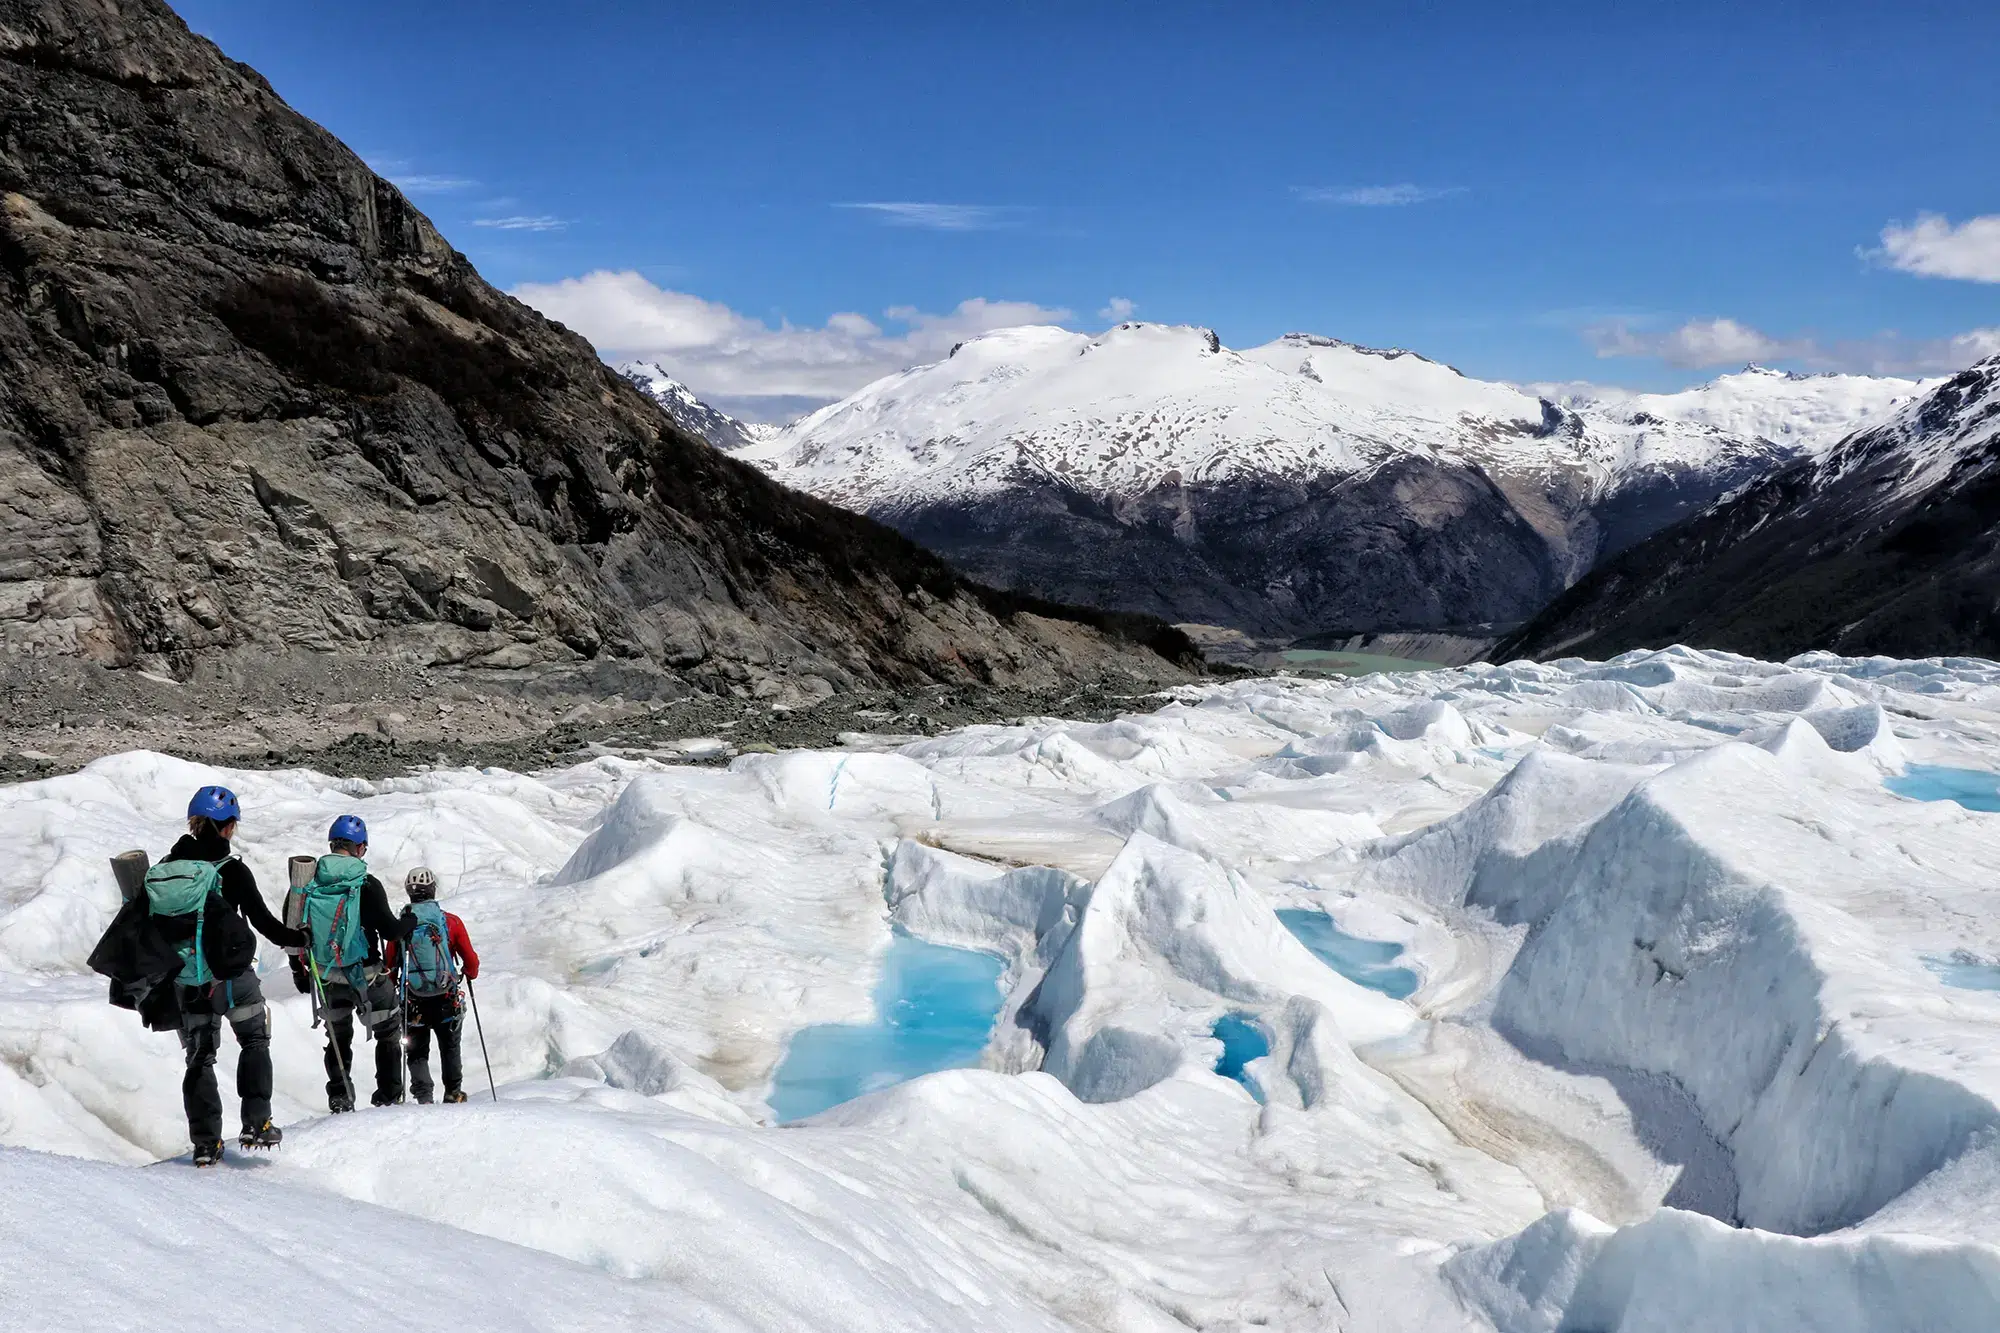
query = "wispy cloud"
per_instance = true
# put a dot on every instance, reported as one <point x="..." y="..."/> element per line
<point x="749" y="366"/>
<point x="522" y="223"/>
<point x="1377" y="196"/>
<point x="1702" y="343"/>
<point x="432" y="184"/>
<point x="1932" y="247"/>
<point x="1117" y="309"/>
<point x="403" y="174"/>
<point x="942" y="217"/>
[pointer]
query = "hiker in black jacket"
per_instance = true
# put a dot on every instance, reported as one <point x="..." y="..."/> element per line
<point x="361" y="983"/>
<point x="234" y="994"/>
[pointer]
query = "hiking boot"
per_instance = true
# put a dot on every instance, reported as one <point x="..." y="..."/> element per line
<point x="423" y="1099"/>
<point x="208" y="1154"/>
<point x="384" y="1098"/>
<point x="338" y="1105"/>
<point x="266" y="1135"/>
<point x="455" y="1095"/>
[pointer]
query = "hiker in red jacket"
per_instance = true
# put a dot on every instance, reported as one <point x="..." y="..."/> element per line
<point x="440" y="952"/>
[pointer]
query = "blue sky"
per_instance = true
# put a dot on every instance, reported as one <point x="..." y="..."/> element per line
<point x="784" y="201"/>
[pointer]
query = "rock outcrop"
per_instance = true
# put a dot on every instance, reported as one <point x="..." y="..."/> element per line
<point x="257" y="416"/>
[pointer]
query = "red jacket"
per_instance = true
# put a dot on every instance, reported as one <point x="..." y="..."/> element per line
<point x="461" y="949"/>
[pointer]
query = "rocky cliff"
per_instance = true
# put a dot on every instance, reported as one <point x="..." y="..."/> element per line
<point x="259" y="421"/>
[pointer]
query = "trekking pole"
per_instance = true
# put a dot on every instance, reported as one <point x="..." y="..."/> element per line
<point x="332" y="1038"/>
<point x="480" y="1028"/>
<point x="403" y="1013"/>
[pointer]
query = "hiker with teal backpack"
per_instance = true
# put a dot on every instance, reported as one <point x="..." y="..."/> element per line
<point x="435" y="955"/>
<point x="196" y="902"/>
<point x="347" y="922"/>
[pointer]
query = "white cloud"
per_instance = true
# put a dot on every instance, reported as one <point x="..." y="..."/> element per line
<point x="1697" y="343"/>
<point x="432" y="184"/>
<point x="520" y="223"/>
<point x="731" y="358"/>
<point x="1933" y="248"/>
<point x="1703" y="343"/>
<point x="1117" y="309"/>
<point x="1378" y="196"/>
<point x="940" y="217"/>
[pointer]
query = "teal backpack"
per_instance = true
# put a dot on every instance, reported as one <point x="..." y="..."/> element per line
<point x="429" y="969"/>
<point x="333" y="917"/>
<point x="182" y="888"/>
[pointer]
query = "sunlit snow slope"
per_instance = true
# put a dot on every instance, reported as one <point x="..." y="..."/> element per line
<point x="1699" y="1040"/>
<point x="1303" y="485"/>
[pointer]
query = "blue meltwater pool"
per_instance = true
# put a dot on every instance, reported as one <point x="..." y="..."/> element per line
<point x="1965" y="973"/>
<point x="1370" y="963"/>
<point x="934" y="1009"/>
<point x="1242" y="1041"/>
<point x="1973" y="788"/>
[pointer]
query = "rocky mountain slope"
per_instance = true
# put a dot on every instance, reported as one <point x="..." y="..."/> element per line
<point x="1307" y="486"/>
<point x="261" y="426"/>
<point x="1887" y="543"/>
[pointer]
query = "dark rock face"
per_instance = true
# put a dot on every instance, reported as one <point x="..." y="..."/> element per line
<point x="252" y="407"/>
<point x="1412" y="545"/>
<point x="1888" y="544"/>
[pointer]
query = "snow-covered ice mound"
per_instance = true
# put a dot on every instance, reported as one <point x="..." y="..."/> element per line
<point x="1698" y="1036"/>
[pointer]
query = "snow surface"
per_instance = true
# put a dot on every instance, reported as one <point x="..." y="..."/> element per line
<point x="1119" y="412"/>
<point x="1682" y="1054"/>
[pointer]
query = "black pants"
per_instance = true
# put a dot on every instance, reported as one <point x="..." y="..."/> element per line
<point x="203" y="1008"/>
<point x="440" y="1014"/>
<point x="384" y="1021"/>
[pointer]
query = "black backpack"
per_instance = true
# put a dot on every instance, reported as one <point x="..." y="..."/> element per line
<point x="141" y="954"/>
<point x="143" y="965"/>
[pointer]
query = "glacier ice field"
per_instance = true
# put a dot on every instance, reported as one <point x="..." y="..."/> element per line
<point x="1654" y="994"/>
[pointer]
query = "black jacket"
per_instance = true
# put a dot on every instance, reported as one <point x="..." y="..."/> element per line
<point x="239" y="887"/>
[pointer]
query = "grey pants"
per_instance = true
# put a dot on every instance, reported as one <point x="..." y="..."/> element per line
<point x="240" y="1000"/>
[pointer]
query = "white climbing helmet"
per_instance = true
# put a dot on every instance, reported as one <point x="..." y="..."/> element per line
<point x="421" y="884"/>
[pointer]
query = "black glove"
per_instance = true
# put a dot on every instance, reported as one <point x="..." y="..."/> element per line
<point x="299" y="975"/>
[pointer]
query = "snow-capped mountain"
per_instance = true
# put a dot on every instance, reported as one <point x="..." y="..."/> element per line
<point x="689" y="412"/>
<point x="1299" y="486"/>
<point x="1888" y="542"/>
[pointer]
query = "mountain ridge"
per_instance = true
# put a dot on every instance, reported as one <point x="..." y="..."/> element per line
<point x="690" y="413"/>
<point x="1290" y="488"/>
<point x="1888" y="542"/>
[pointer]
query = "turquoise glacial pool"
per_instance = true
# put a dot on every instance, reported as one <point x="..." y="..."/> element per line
<point x="1242" y="1041"/>
<point x="1973" y="788"/>
<point x="934" y="1009"/>
<point x="1370" y="963"/>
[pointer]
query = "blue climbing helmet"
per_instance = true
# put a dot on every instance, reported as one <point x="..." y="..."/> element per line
<point x="348" y="828"/>
<point x="216" y="803"/>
